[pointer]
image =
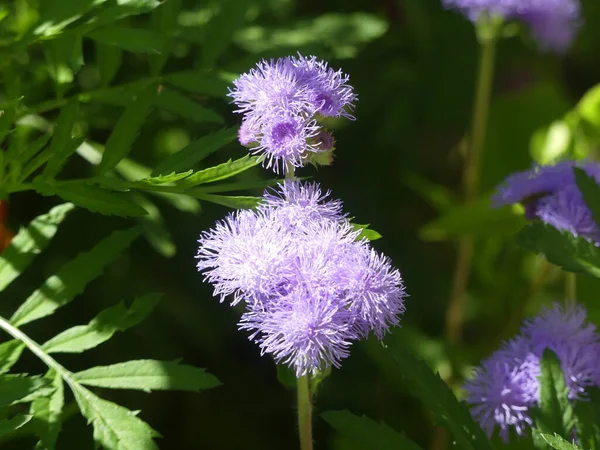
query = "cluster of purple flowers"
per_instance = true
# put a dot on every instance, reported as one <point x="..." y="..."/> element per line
<point x="550" y="193"/>
<point x="282" y="102"/>
<point x="553" y="23"/>
<point x="505" y="387"/>
<point x="310" y="287"/>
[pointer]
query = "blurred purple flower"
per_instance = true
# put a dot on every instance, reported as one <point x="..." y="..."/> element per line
<point x="553" y="23"/>
<point x="282" y="102"/>
<point x="309" y="287"/>
<point x="550" y="193"/>
<point x="505" y="387"/>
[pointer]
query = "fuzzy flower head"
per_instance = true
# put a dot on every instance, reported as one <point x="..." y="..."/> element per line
<point x="550" y="194"/>
<point x="553" y="23"/>
<point x="282" y="102"/>
<point x="506" y="386"/>
<point x="309" y="286"/>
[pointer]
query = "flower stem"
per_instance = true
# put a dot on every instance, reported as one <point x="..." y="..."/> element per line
<point x="454" y="315"/>
<point x="570" y="288"/>
<point x="304" y="413"/>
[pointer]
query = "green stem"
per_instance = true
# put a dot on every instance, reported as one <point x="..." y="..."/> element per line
<point x="304" y="413"/>
<point x="570" y="288"/>
<point x="454" y="315"/>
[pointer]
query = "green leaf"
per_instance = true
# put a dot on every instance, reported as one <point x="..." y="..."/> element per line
<point x="60" y="289"/>
<point x="195" y="152"/>
<point x="32" y="149"/>
<point x="9" y="425"/>
<point x="237" y="202"/>
<point x="220" y="172"/>
<point x="365" y="232"/>
<point x="590" y="190"/>
<point x="126" y="130"/>
<point x="10" y="351"/>
<point x="561" y="248"/>
<point x="115" y="427"/>
<point x="148" y="375"/>
<point x="92" y="198"/>
<point x="164" y="179"/>
<point x="21" y="389"/>
<point x="29" y="242"/>
<point x="108" y="61"/>
<point x="587" y="419"/>
<point x="557" y="442"/>
<point x="368" y="433"/>
<point x="47" y="413"/>
<point x="237" y="186"/>
<point x="589" y="106"/>
<point x="221" y="28"/>
<point x="198" y="83"/>
<point x="555" y="413"/>
<point x="102" y="327"/>
<point x="57" y="14"/>
<point x="551" y="143"/>
<point x="183" y="106"/>
<point x="60" y="147"/>
<point x="164" y="22"/>
<point x="439" y="398"/>
<point x="137" y="40"/>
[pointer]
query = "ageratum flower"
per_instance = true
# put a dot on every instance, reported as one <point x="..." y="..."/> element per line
<point x="309" y="286"/>
<point x="550" y="193"/>
<point x="282" y="102"/>
<point x="553" y="23"/>
<point x="506" y="386"/>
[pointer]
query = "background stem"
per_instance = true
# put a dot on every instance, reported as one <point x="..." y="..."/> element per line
<point x="304" y="413"/>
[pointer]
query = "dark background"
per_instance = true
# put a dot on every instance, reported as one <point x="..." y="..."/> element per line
<point x="413" y="66"/>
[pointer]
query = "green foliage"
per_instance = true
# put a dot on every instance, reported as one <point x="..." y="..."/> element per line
<point x="590" y="191"/>
<point x="368" y="433"/>
<point x="556" y="442"/>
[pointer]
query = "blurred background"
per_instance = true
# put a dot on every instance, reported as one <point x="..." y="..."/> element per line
<point x="397" y="167"/>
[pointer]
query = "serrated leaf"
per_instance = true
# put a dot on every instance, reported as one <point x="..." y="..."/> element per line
<point x="102" y="327"/>
<point x="29" y="242"/>
<point x="590" y="191"/>
<point x="195" y="152"/>
<point x="92" y="198"/>
<point x="71" y="279"/>
<point x="33" y="149"/>
<point x="561" y="248"/>
<point x="236" y="202"/>
<point x="164" y="179"/>
<point x="220" y="172"/>
<point x="10" y="351"/>
<point x="439" y="398"/>
<point x="126" y="130"/>
<point x="47" y="413"/>
<point x="137" y="40"/>
<point x="555" y="413"/>
<point x="183" y="106"/>
<point x="365" y="232"/>
<point x="148" y="375"/>
<point x="115" y="427"/>
<point x="198" y="83"/>
<point x="557" y="442"/>
<point x="22" y="389"/>
<point x="61" y="146"/>
<point x="9" y="425"/>
<point x="368" y="433"/>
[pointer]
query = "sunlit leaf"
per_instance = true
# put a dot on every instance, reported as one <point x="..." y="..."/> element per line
<point x="10" y="351"/>
<point x="22" y="389"/>
<point x="220" y="172"/>
<point x="47" y="412"/>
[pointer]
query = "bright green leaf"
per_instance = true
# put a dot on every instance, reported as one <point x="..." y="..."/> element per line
<point x="589" y="106"/>
<point x="121" y="139"/>
<point x="115" y="427"/>
<point x="47" y="413"/>
<point x="60" y="147"/>
<point x="573" y="254"/>
<point x="220" y="172"/>
<point x="183" y="106"/>
<point x="195" y="152"/>
<point x="137" y="40"/>
<point x="9" y="425"/>
<point x="550" y="143"/>
<point x="102" y="327"/>
<point x="365" y="232"/>
<point x="21" y="389"/>
<point x="164" y="179"/>
<point x="368" y="433"/>
<point x="29" y="242"/>
<point x="148" y="375"/>
<point x="60" y="289"/>
<point x="10" y="351"/>
<point x="557" y="442"/>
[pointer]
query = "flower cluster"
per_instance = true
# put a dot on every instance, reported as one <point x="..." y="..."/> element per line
<point x="550" y="194"/>
<point x="282" y="102"/>
<point x="552" y="22"/>
<point x="505" y="387"/>
<point x="310" y="287"/>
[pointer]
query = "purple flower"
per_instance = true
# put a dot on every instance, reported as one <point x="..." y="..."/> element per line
<point x="550" y="193"/>
<point x="506" y="386"/>
<point x="309" y="287"/>
<point x="282" y="102"/>
<point x="553" y="23"/>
